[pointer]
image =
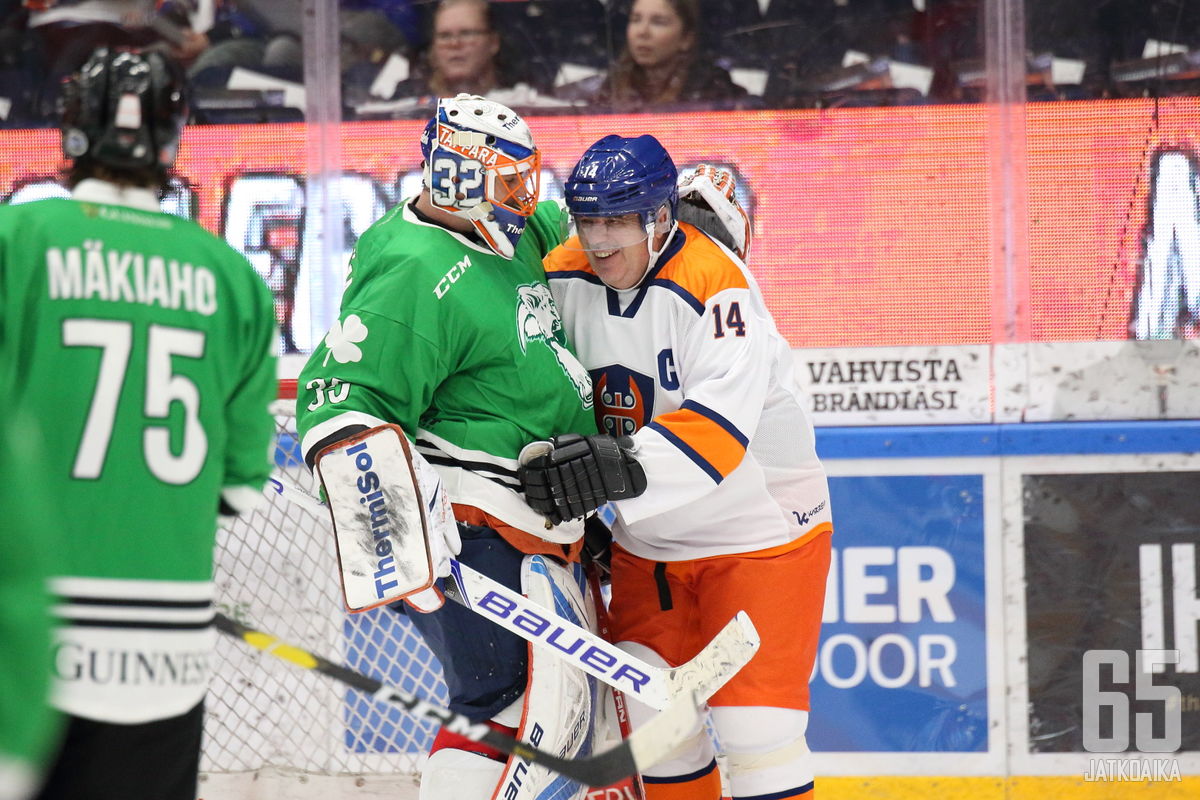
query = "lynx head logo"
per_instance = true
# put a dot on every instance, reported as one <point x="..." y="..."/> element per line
<point x="537" y="316"/>
<point x="538" y="321"/>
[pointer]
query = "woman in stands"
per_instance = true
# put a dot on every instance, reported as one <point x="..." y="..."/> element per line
<point x="662" y="64"/>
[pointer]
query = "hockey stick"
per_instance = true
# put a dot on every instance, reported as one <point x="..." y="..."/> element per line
<point x="655" y="686"/>
<point x="644" y="748"/>
<point x="623" y="724"/>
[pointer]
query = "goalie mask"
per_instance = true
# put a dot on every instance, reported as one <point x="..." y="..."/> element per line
<point x="124" y="110"/>
<point x="481" y="165"/>
<point x="623" y="193"/>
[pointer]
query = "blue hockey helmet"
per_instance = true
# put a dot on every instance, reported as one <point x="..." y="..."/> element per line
<point x="481" y="165"/>
<point x="125" y="110"/>
<point x="619" y="175"/>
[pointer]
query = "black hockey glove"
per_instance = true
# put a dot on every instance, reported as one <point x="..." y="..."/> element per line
<point x="581" y="474"/>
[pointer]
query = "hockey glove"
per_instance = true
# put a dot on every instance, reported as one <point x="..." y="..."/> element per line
<point x="580" y="474"/>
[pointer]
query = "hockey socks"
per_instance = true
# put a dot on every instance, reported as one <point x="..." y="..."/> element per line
<point x="805" y="792"/>
<point x="703" y="784"/>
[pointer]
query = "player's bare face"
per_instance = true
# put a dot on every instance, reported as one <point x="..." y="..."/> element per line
<point x="616" y="248"/>
<point x="463" y="46"/>
<point x="655" y="34"/>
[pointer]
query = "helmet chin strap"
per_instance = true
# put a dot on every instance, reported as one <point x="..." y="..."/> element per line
<point x="655" y="254"/>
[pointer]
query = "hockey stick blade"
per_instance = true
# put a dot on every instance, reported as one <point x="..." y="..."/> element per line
<point x="719" y="660"/>
<point x="647" y="745"/>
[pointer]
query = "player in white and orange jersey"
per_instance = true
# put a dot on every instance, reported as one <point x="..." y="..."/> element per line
<point x="695" y="381"/>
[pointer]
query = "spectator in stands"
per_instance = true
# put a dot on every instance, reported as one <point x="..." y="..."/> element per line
<point x="71" y="31"/>
<point x="660" y="65"/>
<point x="371" y="32"/>
<point x="466" y="55"/>
<point x="401" y="16"/>
<point x="266" y="35"/>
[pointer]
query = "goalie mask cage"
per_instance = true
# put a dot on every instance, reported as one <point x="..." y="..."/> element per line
<point x="273" y="729"/>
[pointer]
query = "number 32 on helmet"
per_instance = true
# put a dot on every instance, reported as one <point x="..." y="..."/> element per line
<point x="481" y="165"/>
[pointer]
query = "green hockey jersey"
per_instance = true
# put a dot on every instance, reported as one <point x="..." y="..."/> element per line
<point x="144" y="344"/>
<point x="28" y="724"/>
<point x="463" y="349"/>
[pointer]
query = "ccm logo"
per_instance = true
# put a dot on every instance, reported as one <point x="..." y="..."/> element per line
<point x="560" y="638"/>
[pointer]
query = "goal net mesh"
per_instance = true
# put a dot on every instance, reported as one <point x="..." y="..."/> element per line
<point x="276" y="570"/>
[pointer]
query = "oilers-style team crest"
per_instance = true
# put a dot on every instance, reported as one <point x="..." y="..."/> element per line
<point x="624" y="399"/>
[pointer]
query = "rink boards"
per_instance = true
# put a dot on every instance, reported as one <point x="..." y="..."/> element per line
<point x="974" y="565"/>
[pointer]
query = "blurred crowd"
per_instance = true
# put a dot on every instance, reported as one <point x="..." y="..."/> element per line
<point x="247" y="58"/>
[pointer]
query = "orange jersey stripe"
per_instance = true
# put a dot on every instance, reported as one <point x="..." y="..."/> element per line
<point x="715" y="447"/>
<point x="702" y="269"/>
<point x="569" y="257"/>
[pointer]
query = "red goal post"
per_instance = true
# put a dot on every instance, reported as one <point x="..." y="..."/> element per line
<point x="274" y="730"/>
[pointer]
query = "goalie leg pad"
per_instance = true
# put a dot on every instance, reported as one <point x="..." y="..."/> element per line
<point x="458" y="775"/>
<point x="447" y="739"/>
<point x="766" y="749"/>
<point x="388" y="508"/>
<point x="561" y="702"/>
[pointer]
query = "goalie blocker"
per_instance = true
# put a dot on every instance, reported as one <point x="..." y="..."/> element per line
<point x="394" y="529"/>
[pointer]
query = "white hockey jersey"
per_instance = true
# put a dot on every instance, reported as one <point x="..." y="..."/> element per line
<point x="691" y="365"/>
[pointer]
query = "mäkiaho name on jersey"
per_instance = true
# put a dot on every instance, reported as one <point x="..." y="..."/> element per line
<point x="93" y="273"/>
<point x="880" y="385"/>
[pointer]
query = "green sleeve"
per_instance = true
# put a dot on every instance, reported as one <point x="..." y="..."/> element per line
<point x="377" y="366"/>
<point x="28" y="539"/>
<point x="29" y="726"/>
<point x="548" y="225"/>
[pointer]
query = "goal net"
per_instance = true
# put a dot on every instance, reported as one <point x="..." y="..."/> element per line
<point x="274" y="730"/>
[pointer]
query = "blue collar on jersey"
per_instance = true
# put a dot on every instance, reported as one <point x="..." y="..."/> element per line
<point x="678" y="240"/>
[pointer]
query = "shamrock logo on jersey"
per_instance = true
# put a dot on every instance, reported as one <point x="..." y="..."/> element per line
<point x="342" y="340"/>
